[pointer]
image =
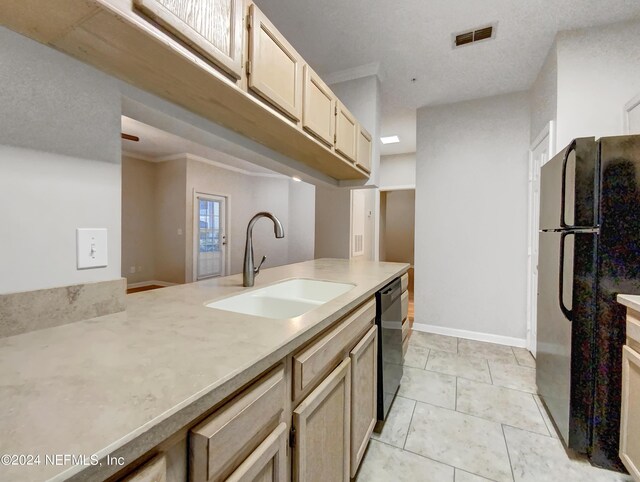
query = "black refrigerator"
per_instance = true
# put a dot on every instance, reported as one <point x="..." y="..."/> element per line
<point x="589" y="251"/>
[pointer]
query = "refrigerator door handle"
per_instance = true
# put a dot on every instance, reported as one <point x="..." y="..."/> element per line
<point x="565" y="311"/>
<point x="570" y="149"/>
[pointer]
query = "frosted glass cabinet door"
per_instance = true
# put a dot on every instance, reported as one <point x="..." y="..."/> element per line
<point x="212" y="27"/>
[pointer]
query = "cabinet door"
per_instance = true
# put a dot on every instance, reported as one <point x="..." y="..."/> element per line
<point x="318" y="112"/>
<point x="212" y="27"/>
<point x="346" y="132"/>
<point x="364" y="150"/>
<point x="364" y="395"/>
<point x="275" y="68"/>
<point x="321" y="423"/>
<point x="268" y="462"/>
<point x="153" y="471"/>
<point x="630" y="424"/>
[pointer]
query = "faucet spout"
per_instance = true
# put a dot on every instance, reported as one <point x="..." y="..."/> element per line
<point x="249" y="270"/>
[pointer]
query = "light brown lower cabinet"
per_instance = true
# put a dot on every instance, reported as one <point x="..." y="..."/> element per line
<point x="364" y="371"/>
<point x="153" y="471"/>
<point x="322" y="430"/>
<point x="223" y="442"/>
<point x="630" y="423"/>
<point x="268" y="462"/>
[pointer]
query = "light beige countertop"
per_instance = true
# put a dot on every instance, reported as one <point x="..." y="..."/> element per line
<point x="630" y="301"/>
<point x="120" y="384"/>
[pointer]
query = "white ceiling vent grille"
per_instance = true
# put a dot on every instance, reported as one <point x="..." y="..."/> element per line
<point x="469" y="37"/>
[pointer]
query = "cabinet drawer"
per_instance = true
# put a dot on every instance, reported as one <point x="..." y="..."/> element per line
<point x="405" y="329"/>
<point x="221" y="442"/>
<point x="316" y="359"/>
<point x="404" y="302"/>
<point x="153" y="471"/>
<point x="404" y="281"/>
<point x="630" y="420"/>
<point x="633" y="325"/>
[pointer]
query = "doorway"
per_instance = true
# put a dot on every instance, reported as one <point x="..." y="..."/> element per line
<point x="210" y="250"/>
<point x="539" y="153"/>
<point x="397" y="231"/>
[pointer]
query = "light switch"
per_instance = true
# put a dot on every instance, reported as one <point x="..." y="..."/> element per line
<point x="91" y="248"/>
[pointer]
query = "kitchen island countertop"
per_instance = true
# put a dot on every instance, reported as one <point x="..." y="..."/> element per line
<point x="121" y="384"/>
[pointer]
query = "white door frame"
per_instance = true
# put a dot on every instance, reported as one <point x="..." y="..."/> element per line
<point x="547" y="136"/>
<point x="196" y="231"/>
<point x="628" y="107"/>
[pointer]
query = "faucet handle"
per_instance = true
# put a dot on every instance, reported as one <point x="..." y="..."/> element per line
<point x="257" y="270"/>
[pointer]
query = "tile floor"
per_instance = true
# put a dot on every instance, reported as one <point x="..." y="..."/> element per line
<point x="467" y="412"/>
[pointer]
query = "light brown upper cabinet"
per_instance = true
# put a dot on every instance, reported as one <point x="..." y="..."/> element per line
<point x="212" y="27"/>
<point x="318" y="112"/>
<point x="275" y="68"/>
<point x="364" y="149"/>
<point x="346" y="132"/>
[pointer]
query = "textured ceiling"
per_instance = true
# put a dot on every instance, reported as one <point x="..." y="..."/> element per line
<point x="412" y="39"/>
<point x="155" y="144"/>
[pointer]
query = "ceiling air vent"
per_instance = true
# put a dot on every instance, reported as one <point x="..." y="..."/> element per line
<point x="466" y="38"/>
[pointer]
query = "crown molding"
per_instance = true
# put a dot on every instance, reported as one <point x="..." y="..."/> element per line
<point x="354" y="73"/>
<point x="193" y="157"/>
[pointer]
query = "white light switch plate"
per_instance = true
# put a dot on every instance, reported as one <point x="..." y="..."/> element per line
<point x="91" y="248"/>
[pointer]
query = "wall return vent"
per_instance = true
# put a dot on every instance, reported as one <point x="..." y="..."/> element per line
<point x="476" y="35"/>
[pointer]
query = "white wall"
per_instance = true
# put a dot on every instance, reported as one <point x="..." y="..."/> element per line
<point x="302" y="222"/>
<point x="362" y="97"/>
<point x="399" y="226"/>
<point x="598" y="72"/>
<point x="471" y="223"/>
<point x="138" y="220"/>
<point x="60" y="165"/>
<point x="398" y="171"/>
<point x="333" y="223"/>
<point x="291" y="202"/>
<point x="543" y="95"/>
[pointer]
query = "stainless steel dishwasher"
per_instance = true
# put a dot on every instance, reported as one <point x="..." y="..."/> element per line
<point x="389" y="321"/>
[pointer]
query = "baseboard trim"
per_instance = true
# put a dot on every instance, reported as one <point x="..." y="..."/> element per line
<point x="471" y="335"/>
<point x="142" y="284"/>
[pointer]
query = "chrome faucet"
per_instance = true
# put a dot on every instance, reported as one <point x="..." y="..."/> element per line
<point x="249" y="272"/>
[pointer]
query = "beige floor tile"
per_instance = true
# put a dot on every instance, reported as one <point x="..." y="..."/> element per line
<point x="488" y="351"/>
<point x="434" y="342"/>
<point x="498" y="404"/>
<point x="396" y="426"/>
<point x="458" y="365"/>
<point x="416" y="355"/>
<point x="469" y="443"/>
<point x="430" y="387"/>
<point x="545" y="417"/>
<point x="462" y="476"/>
<point x="513" y="376"/>
<point x="524" y="357"/>
<point x="536" y="458"/>
<point x="383" y="463"/>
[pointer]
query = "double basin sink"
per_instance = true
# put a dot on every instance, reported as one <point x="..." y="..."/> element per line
<point x="286" y="299"/>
